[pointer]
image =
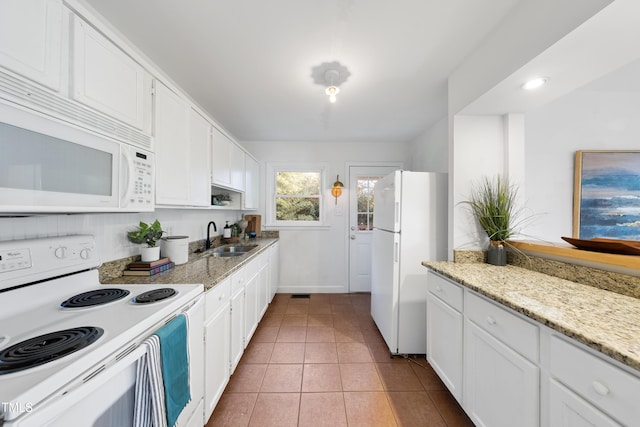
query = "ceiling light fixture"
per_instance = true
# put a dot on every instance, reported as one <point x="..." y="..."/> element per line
<point x="535" y="83"/>
<point x="332" y="76"/>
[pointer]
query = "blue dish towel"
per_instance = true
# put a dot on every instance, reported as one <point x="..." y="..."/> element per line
<point x="175" y="366"/>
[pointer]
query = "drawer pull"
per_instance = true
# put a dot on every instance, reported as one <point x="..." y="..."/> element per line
<point x="221" y="297"/>
<point x="491" y="320"/>
<point x="600" y="388"/>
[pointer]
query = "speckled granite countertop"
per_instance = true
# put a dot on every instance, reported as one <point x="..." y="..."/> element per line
<point x="605" y="321"/>
<point x="201" y="268"/>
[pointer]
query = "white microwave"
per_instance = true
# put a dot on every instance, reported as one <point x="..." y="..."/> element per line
<point x="47" y="165"/>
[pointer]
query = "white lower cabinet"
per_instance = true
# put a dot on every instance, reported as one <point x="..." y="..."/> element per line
<point x="274" y="270"/>
<point x="217" y="342"/>
<point x="501" y="387"/>
<point x="250" y="307"/>
<point x="237" y="318"/>
<point x="517" y="372"/>
<point x="263" y="285"/>
<point x="444" y="325"/>
<point x="567" y="409"/>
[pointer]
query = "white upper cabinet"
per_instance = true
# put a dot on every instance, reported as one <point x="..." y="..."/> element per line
<point x="221" y="154"/>
<point x="251" y="182"/>
<point x="236" y="165"/>
<point x="200" y="132"/>
<point x="172" y="119"/>
<point x="227" y="163"/>
<point x="107" y="79"/>
<point x="31" y="39"/>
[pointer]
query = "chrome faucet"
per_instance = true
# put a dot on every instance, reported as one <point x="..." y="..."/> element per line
<point x="207" y="243"/>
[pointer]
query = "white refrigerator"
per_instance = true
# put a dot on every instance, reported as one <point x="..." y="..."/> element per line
<point x="410" y="226"/>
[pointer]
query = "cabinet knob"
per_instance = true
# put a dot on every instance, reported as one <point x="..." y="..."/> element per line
<point x="491" y="320"/>
<point x="600" y="388"/>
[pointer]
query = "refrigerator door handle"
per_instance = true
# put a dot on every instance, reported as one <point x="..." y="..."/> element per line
<point x="395" y="252"/>
<point x="397" y="217"/>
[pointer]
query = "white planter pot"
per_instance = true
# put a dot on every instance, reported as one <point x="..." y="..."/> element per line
<point x="150" y="254"/>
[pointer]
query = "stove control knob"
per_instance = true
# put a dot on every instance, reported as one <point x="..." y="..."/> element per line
<point x="60" y="252"/>
<point x="85" y="253"/>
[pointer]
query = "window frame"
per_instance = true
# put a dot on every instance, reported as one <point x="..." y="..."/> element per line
<point x="272" y="170"/>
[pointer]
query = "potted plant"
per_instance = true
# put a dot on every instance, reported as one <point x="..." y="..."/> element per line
<point x="148" y="234"/>
<point x="493" y="203"/>
<point x="222" y="199"/>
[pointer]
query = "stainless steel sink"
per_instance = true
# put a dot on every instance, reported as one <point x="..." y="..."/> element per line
<point x="231" y="251"/>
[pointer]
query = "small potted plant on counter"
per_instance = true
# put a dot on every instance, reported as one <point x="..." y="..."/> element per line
<point x="148" y="234"/>
<point x="493" y="203"/>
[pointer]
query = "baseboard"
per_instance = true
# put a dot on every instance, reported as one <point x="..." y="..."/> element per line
<point x="312" y="290"/>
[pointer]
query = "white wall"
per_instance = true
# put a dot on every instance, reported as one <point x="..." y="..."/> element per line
<point x="110" y="229"/>
<point x="316" y="260"/>
<point x="604" y="115"/>
<point x="430" y="151"/>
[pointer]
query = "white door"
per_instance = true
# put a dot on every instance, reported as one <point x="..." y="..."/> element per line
<point x="361" y="182"/>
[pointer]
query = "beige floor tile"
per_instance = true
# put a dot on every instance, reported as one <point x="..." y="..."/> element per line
<point x="353" y="352"/>
<point x="368" y="409"/>
<point x="398" y="377"/>
<point x="414" y="409"/>
<point x="449" y="409"/>
<point x="320" y="334"/>
<point x="320" y="352"/>
<point x="294" y="320"/>
<point x="322" y="410"/>
<point x="233" y="409"/>
<point x="318" y="377"/>
<point x="292" y="334"/>
<point x="348" y="334"/>
<point x="320" y="308"/>
<point x="360" y="377"/>
<point x="276" y="410"/>
<point x="257" y="352"/>
<point x="297" y="309"/>
<point x="247" y="378"/>
<point x="318" y="319"/>
<point x="287" y="352"/>
<point x="282" y="379"/>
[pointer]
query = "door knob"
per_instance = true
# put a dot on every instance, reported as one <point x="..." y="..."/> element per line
<point x="353" y="227"/>
<point x="353" y="237"/>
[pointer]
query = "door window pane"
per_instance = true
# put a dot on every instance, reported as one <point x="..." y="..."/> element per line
<point x="365" y="201"/>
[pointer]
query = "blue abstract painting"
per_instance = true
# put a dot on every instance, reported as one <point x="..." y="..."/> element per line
<point x="609" y="194"/>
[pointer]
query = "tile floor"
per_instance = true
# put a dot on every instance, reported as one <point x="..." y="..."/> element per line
<point x="322" y="362"/>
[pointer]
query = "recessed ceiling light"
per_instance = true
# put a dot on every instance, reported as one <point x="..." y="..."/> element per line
<point x="535" y="83"/>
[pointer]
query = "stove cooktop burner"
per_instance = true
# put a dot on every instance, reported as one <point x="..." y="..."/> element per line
<point x="95" y="297"/>
<point x="154" y="295"/>
<point x="46" y="348"/>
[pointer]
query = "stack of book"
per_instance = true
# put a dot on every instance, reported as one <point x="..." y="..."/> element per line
<point x="148" y="268"/>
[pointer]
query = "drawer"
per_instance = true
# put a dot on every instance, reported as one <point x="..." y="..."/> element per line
<point x="596" y="380"/>
<point x="446" y="290"/>
<point x="216" y="297"/>
<point x="238" y="280"/>
<point x="251" y="268"/>
<point x="507" y="327"/>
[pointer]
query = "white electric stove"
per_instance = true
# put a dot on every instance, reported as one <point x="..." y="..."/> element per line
<point x="69" y="345"/>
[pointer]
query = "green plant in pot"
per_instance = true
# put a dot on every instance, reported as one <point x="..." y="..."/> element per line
<point x="493" y="203"/>
<point x="148" y="234"/>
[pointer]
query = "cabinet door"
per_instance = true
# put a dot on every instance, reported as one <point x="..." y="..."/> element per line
<point x="250" y="308"/>
<point x="236" y="166"/>
<point x="251" y="182"/>
<point x="444" y="343"/>
<point x="237" y="328"/>
<point x="31" y="39"/>
<point x="217" y="353"/>
<point x="274" y="267"/>
<point x="501" y="388"/>
<point x="220" y="159"/>
<point x="567" y="409"/>
<point x="107" y="79"/>
<point x="263" y="287"/>
<point x="172" y="147"/>
<point x="199" y="157"/>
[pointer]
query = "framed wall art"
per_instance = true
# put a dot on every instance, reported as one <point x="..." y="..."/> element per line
<point x="606" y="199"/>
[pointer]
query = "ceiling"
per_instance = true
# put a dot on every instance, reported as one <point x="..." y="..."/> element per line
<point x="249" y="63"/>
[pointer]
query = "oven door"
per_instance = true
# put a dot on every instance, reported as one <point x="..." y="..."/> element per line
<point x="49" y="166"/>
<point x="106" y="400"/>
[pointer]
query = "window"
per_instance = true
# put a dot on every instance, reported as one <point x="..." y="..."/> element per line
<point x="297" y="196"/>
<point x="365" y="202"/>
